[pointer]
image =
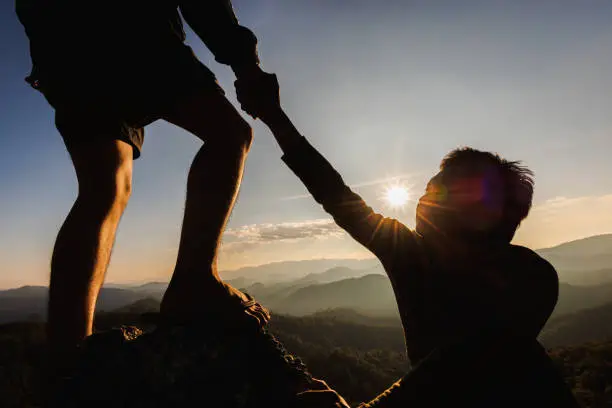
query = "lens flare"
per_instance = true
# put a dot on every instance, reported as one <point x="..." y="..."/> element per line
<point x="397" y="196"/>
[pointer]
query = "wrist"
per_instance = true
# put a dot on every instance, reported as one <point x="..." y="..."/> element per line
<point x="283" y="130"/>
<point x="246" y="70"/>
<point x="276" y="119"/>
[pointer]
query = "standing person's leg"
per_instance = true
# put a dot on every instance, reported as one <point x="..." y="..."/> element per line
<point x="84" y="243"/>
<point x="212" y="187"/>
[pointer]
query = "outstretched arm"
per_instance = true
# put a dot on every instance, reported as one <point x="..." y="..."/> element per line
<point x="216" y="24"/>
<point x="380" y="235"/>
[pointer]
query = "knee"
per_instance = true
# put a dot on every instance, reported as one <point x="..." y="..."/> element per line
<point x="242" y="134"/>
<point x="107" y="193"/>
<point x="246" y="136"/>
<point x="239" y="137"/>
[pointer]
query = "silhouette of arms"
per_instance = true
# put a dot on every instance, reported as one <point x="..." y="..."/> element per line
<point x="216" y="24"/>
<point x="382" y="236"/>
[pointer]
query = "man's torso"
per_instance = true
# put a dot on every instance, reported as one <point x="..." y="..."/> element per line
<point x="440" y="305"/>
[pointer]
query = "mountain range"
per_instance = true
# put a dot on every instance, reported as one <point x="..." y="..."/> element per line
<point x="586" y="261"/>
<point x="277" y="272"/>
<point x="313" y="286"/>
<point x="370" y="295"/>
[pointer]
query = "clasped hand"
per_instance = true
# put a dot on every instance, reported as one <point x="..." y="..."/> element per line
<point x="259" y="95"/>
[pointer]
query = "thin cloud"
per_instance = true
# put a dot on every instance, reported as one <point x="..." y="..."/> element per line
<point x="286" y="230"/>
<point x="563" y="219"/>
<point x="248" y="237"/>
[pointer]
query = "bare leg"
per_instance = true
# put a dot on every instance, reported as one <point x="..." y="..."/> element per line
<point x="84" y="243"/>
<point x="212" y="187"/>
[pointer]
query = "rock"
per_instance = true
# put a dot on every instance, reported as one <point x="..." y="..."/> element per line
<point x="195" y="366"/>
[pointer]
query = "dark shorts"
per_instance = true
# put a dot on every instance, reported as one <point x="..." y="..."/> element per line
<point x="110" y="68"/>
<point x="120" y="105"/>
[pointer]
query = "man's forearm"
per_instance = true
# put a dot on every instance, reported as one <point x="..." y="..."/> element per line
<point x="215" y="22"/>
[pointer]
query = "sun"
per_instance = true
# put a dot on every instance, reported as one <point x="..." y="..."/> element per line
<point x="397" y="196"/>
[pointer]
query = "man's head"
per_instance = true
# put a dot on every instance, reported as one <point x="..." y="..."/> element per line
<point x="477" y="197"/>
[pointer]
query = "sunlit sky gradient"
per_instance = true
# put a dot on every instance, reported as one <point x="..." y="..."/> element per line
<point x="384" y="89"/>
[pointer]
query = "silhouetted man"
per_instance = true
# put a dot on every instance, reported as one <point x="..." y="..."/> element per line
<point x="466" y="296"/>
<point x="109" y="68"/>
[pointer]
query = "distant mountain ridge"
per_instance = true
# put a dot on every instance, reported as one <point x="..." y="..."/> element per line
<point x="590" y="246"/>
<point x="285" y="271"/>
<point x="312" y="286"/>
<point x="30" y="302"/>
<point x="586" y="325"/>
<point x="334" y="274"/>
<point x="371" y="294"/>
<point x="575" y="297"/>
<point x="586" y="261"/>
<point x="589" y="323"/>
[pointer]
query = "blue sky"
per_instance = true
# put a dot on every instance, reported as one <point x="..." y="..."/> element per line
<point x="383" y="89"/>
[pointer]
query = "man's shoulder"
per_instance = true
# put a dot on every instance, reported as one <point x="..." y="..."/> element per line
<point x="409" y="244"/>
<point x="528" y="254"/>
<point x="530" y="262"/>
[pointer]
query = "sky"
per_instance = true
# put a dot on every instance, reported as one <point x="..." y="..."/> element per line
<point x="383" y="89"/>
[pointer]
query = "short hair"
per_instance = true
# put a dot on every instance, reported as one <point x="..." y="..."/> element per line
<point x="517" y="188"/>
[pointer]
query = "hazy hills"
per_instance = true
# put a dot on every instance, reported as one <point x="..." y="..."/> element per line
<point x="594" y="246"/>
<point x="342" y="287"/>
<point x="585" y="261"/>
<point x="573" y="298"/>
<point x="371" y="294"/>
<point x="587" y="325"/>
<point x="307" y="287"/>
<point x="345" y="323"/>
<point x="584" y="324"/>
<point x="291" y="270"/>
<point x="30" y="302"/>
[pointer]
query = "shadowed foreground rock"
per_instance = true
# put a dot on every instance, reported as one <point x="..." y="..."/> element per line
<point x="191" y="366"/>
<point x="358" y="361"/>
<point x="183" y="366"/>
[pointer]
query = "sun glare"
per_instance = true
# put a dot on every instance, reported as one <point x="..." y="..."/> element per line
<point x="397" y="196"/>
